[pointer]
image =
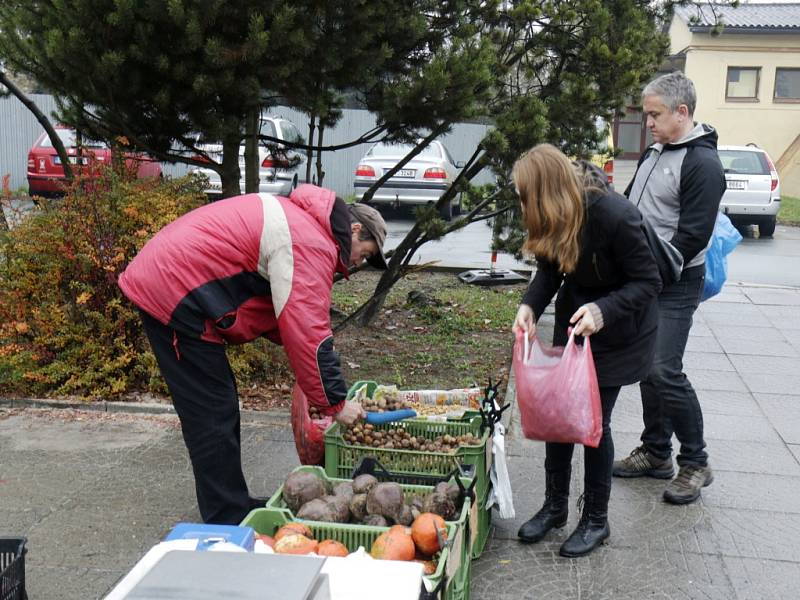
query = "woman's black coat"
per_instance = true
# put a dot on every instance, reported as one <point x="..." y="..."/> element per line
<point x="617" y="271"/>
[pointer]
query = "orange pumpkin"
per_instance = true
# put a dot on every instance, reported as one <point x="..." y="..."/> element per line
<point x="293" y="527"/>
<point x="294" y="543"/>
<point x="424" y="533"/>
<point x="267" y="539"/>
<point x="332" y="548"/>
<point x="395" y="544"/>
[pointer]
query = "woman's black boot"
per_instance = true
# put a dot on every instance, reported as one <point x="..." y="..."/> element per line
<point x="592" y="529"/>
<point x="554" y="511"/>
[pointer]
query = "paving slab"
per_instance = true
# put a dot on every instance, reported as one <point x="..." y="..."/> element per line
<point x="761" y="333"/>
<point x="773" y="296"/>
<point x="729" y="403"/>
<point x="765" y="365"/>
<point x="783" y="411"/>
<point x="707" y="379"/>
<point x="753" y="319"/>
<point x="755" y="347"/>
<point x="729" y="427"/>
<point x="705" y="345"/>
<point x="768" y="383"/>
<point x="704" y="361"/>
<point x="794" y="449"/>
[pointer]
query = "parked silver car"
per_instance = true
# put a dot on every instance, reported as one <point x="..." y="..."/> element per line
<point x="753" y="196"/>
<point x="422" y="180"/>
<point x="276" y="175"/>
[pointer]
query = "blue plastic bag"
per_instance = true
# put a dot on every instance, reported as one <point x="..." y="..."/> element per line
<point x="724" y="239"/>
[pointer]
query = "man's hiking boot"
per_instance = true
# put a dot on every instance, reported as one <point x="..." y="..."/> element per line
<point x="640" y="463"/>
<point x="553" y="513"/>
<point x="686" y="487"/>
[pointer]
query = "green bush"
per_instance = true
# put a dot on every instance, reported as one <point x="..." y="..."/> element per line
<point x="65" y="327"/>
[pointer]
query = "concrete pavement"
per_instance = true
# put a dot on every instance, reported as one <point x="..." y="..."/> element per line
<point x="94" y="490"/>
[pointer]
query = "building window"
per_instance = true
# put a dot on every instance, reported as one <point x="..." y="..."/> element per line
<point x="742" y="84"/>
<point x="787" y="85"/>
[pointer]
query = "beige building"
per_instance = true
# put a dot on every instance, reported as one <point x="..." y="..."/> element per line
<point x="747" y="79"/>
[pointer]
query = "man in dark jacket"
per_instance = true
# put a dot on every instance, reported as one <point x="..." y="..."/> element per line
<point x="678" y="187"/>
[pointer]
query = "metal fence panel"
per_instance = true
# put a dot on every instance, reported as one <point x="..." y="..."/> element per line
<point x="19" y="129"/>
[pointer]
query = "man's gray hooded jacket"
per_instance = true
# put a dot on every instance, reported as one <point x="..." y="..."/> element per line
<point x="678" y="188"/>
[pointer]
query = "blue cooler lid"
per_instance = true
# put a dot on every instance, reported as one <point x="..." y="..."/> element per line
<point x="211" y="534"/>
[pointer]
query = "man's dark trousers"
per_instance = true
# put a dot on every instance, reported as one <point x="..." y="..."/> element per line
<point x="669" y="401"/>
<point x="204" y="394"/>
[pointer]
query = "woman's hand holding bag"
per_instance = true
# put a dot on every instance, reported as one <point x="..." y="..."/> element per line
<point x="557" y="391"/>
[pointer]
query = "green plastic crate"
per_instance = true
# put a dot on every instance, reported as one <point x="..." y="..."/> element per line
<point x="341" y="457"/>
<point x="480" y="520"/>
<point x="277" y="501"/>
<point x="267" y="521"/>
<point x="463" y="546"/>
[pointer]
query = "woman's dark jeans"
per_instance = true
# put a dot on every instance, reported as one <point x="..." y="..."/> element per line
<point x="598" y="461"/>
<point x="669" y="401"/>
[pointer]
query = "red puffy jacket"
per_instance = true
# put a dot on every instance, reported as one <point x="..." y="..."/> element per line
<point x="248" y="266"/>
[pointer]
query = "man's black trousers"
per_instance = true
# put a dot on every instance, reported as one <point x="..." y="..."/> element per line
<point x="203" y="391"/>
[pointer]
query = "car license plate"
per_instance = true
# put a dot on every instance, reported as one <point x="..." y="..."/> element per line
<point x="403" y="172"/>
<point x="737" y="184"/>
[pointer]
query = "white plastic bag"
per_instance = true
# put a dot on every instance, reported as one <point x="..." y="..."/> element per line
<point x="500" y="492"/>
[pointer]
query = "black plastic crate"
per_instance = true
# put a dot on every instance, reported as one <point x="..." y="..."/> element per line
<point x="369" y="465"/>
<point x="12" y="568"/>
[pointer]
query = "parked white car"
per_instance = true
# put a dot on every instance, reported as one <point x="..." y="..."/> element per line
<point x="753" y="196"/>
<point x="276" y="175"/>
<point x="422" y="180"/>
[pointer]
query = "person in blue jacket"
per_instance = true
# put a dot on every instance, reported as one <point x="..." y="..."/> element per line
<point x="590" y="248"/>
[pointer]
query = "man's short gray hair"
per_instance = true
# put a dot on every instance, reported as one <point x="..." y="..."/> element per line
<point x="674" y="89"/>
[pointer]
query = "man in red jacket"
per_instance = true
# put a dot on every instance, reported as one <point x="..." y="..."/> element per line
<point x="227" y="273"/>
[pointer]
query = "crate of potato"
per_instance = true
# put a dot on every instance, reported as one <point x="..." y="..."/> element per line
<point x="411" y="447"/>
<point x="313" y="513"/>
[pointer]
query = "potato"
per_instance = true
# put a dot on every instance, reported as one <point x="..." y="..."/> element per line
<point x="340" y="508"/>
<point x="440" y="504"/>
<point x="364" y="483"/>
<point x="316" y="510"/>
<point x="450" y="488"/>
<point x="301" y="487"/>
<point x="345" y="490"/>
<point x="376" y="521"/>
<point x="386" y="499"/>
<point x="406" y="516"/>
<point x="358" y="507"/>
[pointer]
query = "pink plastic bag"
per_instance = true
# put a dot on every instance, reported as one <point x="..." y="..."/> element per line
<point x="309" y="436"/>
<point x="557" y="392"/>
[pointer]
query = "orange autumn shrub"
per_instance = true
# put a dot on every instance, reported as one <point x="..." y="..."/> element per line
<point x="65" y="327"/>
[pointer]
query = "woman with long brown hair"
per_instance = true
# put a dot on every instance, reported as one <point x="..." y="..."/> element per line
<point x="590" y="248"/>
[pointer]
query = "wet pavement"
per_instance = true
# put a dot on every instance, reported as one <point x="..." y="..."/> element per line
<point x="94" y="490"/>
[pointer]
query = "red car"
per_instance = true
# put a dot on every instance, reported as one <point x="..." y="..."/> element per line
<point x="46" y="175"/>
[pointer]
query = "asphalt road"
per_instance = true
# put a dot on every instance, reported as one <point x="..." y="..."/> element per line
<point x="768" y="261"/>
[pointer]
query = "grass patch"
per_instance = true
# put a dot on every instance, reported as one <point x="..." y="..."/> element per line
<point x="789" y="213"/>
<point x="434" y="331"/>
